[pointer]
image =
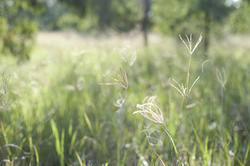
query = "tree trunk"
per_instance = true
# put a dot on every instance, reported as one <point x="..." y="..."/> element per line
<point x="207" y="24"/>
<point x="104" y="14"/>
<point x="145" y="21"/>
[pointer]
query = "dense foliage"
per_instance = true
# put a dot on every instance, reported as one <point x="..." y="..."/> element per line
<point x="188" y="16"/>
<point x="118" y="14"/>
<point x="17" y="27"/>
<point x="240" y="20"/>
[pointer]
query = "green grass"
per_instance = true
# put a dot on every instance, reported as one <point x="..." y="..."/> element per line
<point x="55" y="112"/>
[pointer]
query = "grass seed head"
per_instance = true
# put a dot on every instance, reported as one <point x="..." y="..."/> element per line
<point x="119" y="79"/>
<point x="189" y="43"/>
<point x="181" y="88"/>
<point x="150" y="110"/>
<point x="128" y="55"/>
<point x="221" y="77"/>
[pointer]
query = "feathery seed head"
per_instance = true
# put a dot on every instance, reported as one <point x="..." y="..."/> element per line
<point x="221" y="77"/>
<point x="119" y="79"/>
<point x="189" y="43"/>
<point x="150" y="110"/>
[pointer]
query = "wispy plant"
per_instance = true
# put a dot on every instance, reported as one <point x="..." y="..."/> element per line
<point x="151" y="111"/>
<point x="183" y="88"/>
<point x="128" y="55"/>
<point x="189" y="43"/>
<point x="221" y="77"/>
<point x="118" y="79"/>
<point x="222" y="80"/>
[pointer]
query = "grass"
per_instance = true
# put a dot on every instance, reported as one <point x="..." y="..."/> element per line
<point x="54" y="110"/>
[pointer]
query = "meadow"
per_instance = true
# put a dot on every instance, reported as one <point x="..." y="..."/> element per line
<point x="75" y="101"/>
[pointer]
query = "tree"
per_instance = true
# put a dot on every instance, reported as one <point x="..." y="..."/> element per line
<point x="118" y="14"/>
<point x="146" y="21"/>
<point x="239" y="19"/>
<point x="213" y="11"/>
<point x="190" y="16"/>
<point x="78" y="6"/>
<point x="169" y="16"/>
<point x="17" y="27"/>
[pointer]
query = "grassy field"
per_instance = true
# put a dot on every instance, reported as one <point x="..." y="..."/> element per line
<point x="73" y="103"/>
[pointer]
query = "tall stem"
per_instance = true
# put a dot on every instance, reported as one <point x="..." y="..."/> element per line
<point x="222" y="110"/>
<point x="187" y="79"/>
<point x="188" y="70"/>
<point x="207" y="20"/>
<point x="173" y="143"/>
<point x="146" y="21"/>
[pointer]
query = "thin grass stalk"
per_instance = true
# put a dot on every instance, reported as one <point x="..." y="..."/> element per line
<point x="187" y="79"/>
<point x="173" y="143"/>
<point x="184" y="90"/>
<point x="222" y="79"/>
<point x="158" y="156"/>
<point x="222" y="111"/>
<point x="188" y="70"/>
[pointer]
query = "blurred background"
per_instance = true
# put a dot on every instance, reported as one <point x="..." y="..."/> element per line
<point x="60" y="58"/>
<point x="20" y="20"/>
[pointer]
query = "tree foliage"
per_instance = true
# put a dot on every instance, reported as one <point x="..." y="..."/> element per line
<point x="118" y="14"/>
<point x="17" y="28"/>
<point x="189" y="16"/>
<point x="240" y="20"/>
<point x="18" y="22"/>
